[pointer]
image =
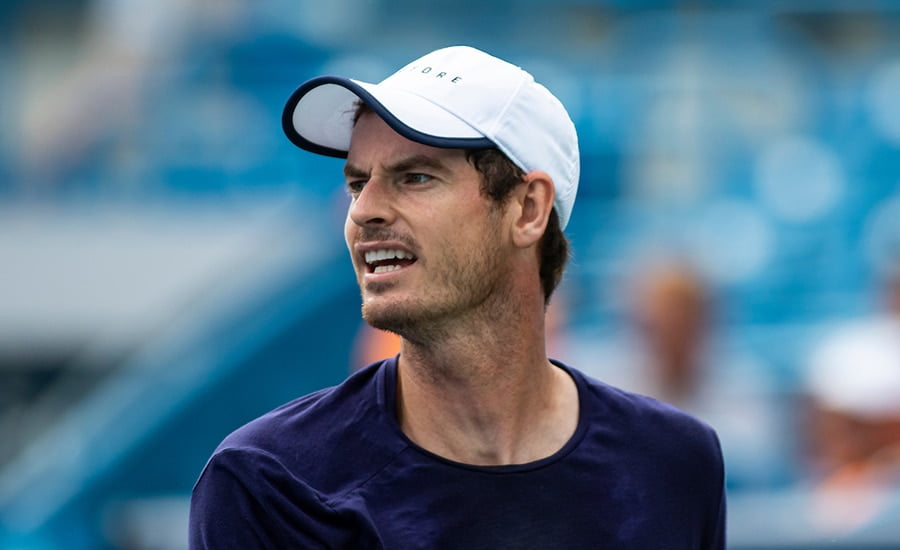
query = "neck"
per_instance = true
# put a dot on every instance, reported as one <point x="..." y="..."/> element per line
<point x="485" y="393"/>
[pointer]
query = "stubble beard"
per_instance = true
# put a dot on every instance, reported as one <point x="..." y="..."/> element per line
<point x="459" y="287"/>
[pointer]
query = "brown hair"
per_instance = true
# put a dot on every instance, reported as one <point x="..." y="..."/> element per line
<point x="499" y="176"/>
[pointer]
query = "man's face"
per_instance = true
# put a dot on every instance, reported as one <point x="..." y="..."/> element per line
<point x="426" y="245"/>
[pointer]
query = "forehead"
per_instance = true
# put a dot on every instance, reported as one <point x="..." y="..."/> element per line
<point x="373" y="142"/>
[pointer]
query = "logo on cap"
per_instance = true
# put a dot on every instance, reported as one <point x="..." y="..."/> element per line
<point x="429" y="70"/>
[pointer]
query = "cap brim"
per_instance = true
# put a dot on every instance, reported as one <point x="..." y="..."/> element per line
<point x="319" y="117"/>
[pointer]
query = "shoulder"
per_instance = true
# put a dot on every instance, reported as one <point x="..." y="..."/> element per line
<point x="247" y="499"/>
<point x="662" y="449"/>
<point x="658" y="428"/>
<point x="327" y="439"/>
<point x="282" y="480"/>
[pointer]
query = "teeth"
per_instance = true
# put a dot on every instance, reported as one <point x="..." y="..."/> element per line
<point x="385" y="268"/>
<point x="379" y="255"/>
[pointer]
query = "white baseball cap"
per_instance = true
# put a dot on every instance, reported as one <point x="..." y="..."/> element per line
<point x="457" y="97"/>
<point x="856" y="369"/>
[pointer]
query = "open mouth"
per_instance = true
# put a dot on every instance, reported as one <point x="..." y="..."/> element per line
<point x="386" y="260"/>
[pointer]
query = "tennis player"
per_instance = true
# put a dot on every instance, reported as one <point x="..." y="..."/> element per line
<point x="462" y="172"/>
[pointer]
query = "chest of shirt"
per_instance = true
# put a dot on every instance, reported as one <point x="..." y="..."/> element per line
<point x="568" y="505"/>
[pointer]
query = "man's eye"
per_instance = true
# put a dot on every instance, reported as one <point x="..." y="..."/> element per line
<point x="355" y="186"/>
<point x="418" y="178"/>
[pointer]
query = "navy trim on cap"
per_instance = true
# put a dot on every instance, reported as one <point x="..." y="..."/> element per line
<point x="287" y="121"/>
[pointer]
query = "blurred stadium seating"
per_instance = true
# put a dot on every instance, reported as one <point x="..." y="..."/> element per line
<point x="171" y="267"/>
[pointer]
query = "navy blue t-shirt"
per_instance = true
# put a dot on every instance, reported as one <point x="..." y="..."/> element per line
<point x="334" y="470"/>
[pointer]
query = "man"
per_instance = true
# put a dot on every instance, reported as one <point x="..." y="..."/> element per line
<point x="462" y="172"/>
<point x="853" y="412"/>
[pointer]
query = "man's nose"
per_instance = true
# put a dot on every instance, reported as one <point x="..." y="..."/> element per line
<point x="373" y="205"/>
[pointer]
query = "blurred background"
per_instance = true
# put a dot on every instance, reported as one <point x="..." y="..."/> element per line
<point x="171" y="266"/>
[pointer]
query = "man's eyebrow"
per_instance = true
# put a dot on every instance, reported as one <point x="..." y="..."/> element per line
<point x="353" y="171"/>
<point x="416" y="161"/>
<point x="403" y="165"/>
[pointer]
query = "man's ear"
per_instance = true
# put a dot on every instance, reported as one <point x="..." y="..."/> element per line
<point x="534" y="201"/>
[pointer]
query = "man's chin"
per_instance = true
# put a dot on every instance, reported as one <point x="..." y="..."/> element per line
<point x="388" y="317"/>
